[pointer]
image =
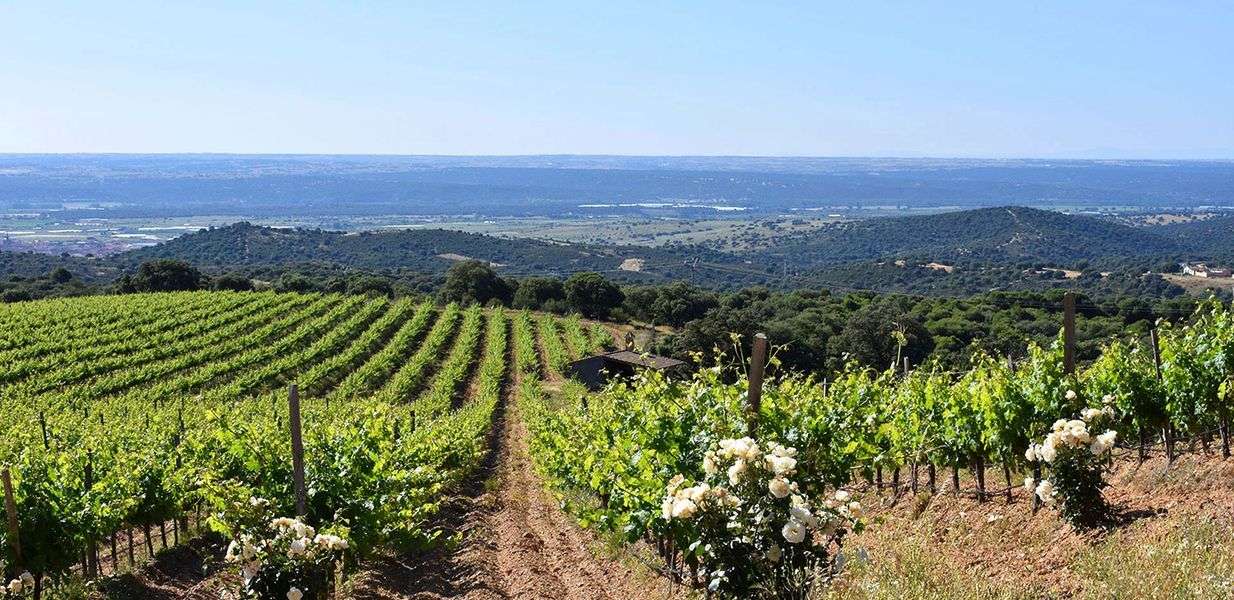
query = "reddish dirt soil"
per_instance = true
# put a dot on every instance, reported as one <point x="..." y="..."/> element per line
<point x="533" y="549"/>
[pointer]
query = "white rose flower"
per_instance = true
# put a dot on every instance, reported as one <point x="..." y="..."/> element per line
<point x="855" y="510"/>
<point x="841" y="496"/>
<point x="794" y="532"/>
<point x="1046" y="450"/>
<point x="709" y="464"/>
<point x="294" y="594"/>
<point x="1108" y="399"/>
<point x="1045" y="491"/>
<point x="1059" y="425"/>
<point x="1030" y="484"/>
<point x="1031" y="453"/>
<point x="15" y="587"/>
<point x="297" y="547"/>
<point x="27" y="580"/>
<point x="1089" y="414"/>
<point x="735" y="471"/>
<point x="696" y="493"/>
<point x="666" y="509"/>
<point x="778" y="487"/>
<point x="1078" y="432"/>
<point x="807" y="518"/>
<point x="781" y="465"/>
<point x="779" y="450"/>
<point x="1103" y="443"/>
<point x="684" y="509"/>
<point x="1070" y="395"/>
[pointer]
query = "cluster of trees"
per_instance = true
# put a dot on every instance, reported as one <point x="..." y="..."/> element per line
<point x="57" y="282"/>
<point x="166" y="275"/>
<point x="588" y="294"/>
<point x="821" y="331"/>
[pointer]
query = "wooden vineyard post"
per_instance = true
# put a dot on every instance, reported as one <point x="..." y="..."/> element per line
<point x="43" y="426"/>
<point x="758" y="360"/>
<point x="92" y="548"/>
<point x="10" y="510"/>
<point x="1069" y="333"/>
<point x="1168" y="432"/>
<point x="297" y="448"/>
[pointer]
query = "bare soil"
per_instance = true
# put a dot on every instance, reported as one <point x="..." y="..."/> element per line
<point x="532" y="548"/>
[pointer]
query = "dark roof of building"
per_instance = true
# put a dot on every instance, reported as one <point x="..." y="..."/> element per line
<point x="650" y="361"/>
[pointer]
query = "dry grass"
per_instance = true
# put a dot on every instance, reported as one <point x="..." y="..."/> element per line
<point x="1175" y="539"/>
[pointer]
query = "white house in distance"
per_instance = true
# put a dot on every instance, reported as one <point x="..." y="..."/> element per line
<point x="1203" y="270"/>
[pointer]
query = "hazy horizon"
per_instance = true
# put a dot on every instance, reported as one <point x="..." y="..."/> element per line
<point x="905" y="156"/>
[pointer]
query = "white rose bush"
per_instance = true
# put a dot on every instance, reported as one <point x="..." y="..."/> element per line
<point x="21" y="586"/>
<point x="1077" y="458"/>
<point x="748" y="527"/>
<point x="283" y="558"/>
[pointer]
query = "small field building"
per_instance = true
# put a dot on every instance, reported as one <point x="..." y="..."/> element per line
<point x="595" y="371"/>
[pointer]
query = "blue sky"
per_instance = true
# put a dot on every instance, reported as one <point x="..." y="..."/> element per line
<point x="1025" y="79"/>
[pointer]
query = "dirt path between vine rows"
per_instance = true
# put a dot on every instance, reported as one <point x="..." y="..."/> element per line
<point x="513" y="539"/>
<point x="531" y="548"/>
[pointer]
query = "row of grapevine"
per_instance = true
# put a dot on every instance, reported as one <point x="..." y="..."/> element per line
<point x="599" y="338"/>
<point x="334" y="368"/>
<point x="102" y="456"/>
<point x="369" y="376"/>
<point x="410" y="376"/>
<point x="440" y="397"/>
<point x="492" y="369"/>
<point x="556" y="356"/>
<point x="526" y="355"/>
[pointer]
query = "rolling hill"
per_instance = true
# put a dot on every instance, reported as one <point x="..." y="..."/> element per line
<point x="1212" y="238"/>
<point x="1008" y="234"/>
<point x="425" y="250"/>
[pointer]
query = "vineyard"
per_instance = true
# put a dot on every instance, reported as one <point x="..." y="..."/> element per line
<point x="137" y="423"/>
<point x="133" y="423"/>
